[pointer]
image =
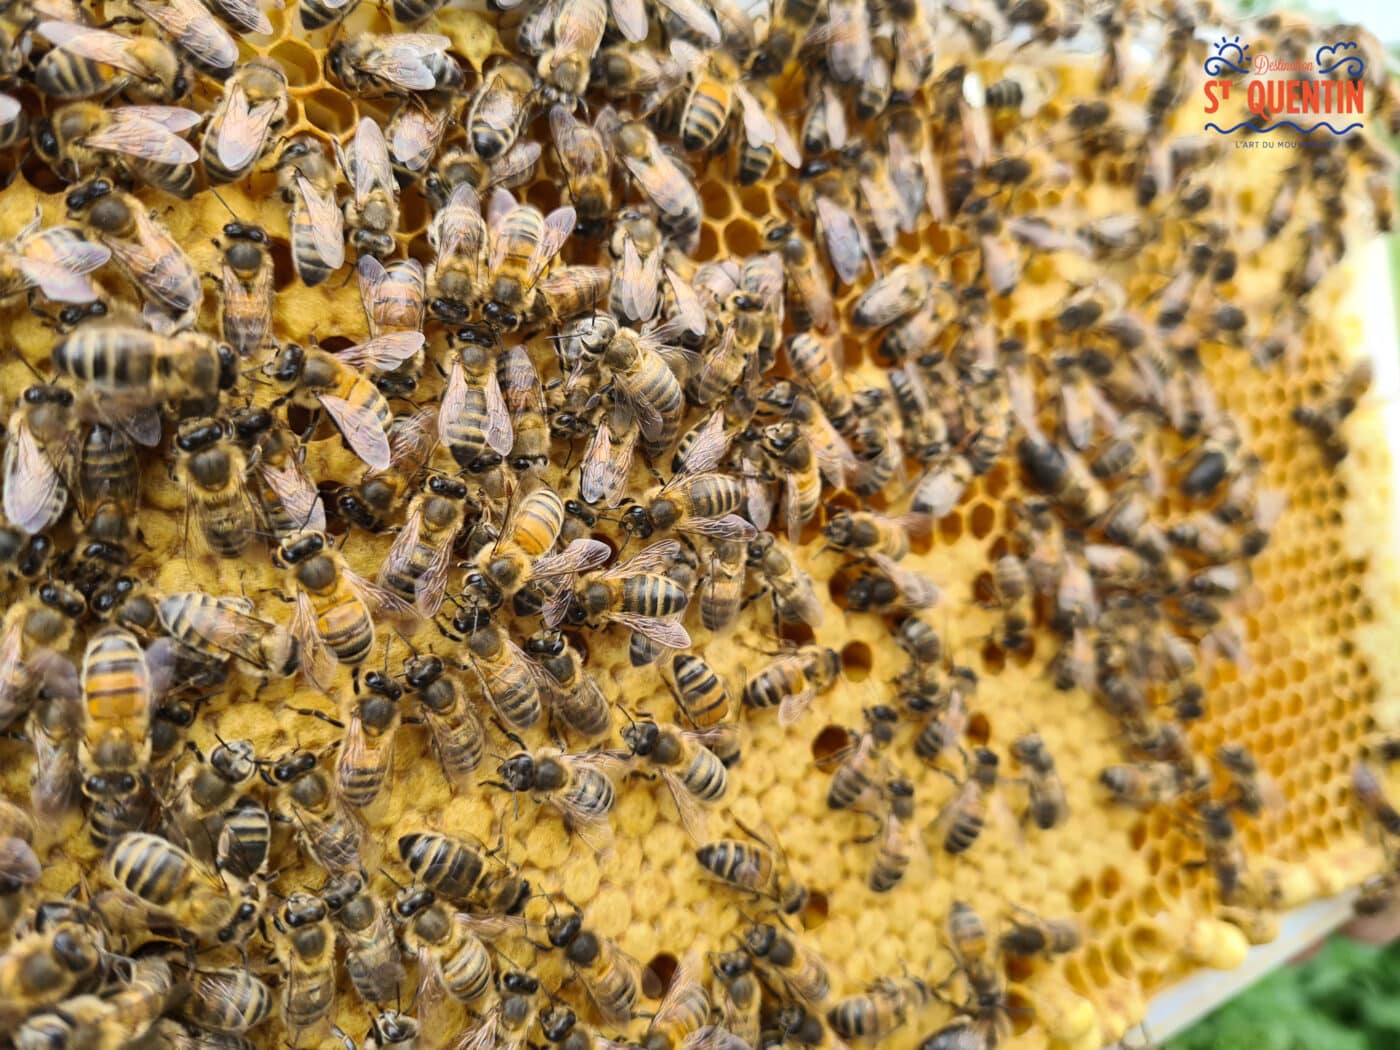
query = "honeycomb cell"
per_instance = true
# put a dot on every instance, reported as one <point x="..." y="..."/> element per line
<point x="301" y="65"/>
<point x="329" y="111"/>
<point x="742" y="237"/>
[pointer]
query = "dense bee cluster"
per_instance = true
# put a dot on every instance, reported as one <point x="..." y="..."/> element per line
<point x="672" y="524"/>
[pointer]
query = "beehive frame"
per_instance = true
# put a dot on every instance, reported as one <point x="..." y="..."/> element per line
<point x="1317" y="624"/>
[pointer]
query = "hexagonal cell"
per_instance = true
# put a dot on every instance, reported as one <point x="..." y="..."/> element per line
<point x="330" y="111"/>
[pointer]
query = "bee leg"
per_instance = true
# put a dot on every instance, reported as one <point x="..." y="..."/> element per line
<point x="879" y="826"/>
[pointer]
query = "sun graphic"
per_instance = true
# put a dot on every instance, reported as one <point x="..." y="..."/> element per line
<point x="1223" y="44"/>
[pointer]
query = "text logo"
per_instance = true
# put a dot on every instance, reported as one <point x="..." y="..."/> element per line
<point x="1325" y="92"/>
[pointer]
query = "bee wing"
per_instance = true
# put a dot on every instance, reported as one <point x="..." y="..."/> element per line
<point x="514" y="166"/>
<point x="792" y="511"/>
<point x="713" y="1037"/>
<point x="636" y="288"/>
<point x="886" y="220"/>
<point x="96" y="44"/>
<point x="454" y="399"/>
<point x="688" y="313"/>
<point x="58" y="282"/>
<point x="843" y="239"/>
<point x="14" y="683"/>
<point x="558" y="224"/>
<point x="604" y="474"/>
<point x="707" y="450"/>
<point x="414" y="137"/>
<point x="697" y="18"/>
<point x="327" y="229"/>
<point x="459" y="227"/>
<point x="631" y="19"/>
<point x="384" y="352"/>
<point x="682" y="986"/>
<point x="371" y="276"/>
<point x="729" y="527"/>
<point x="189" y="24"/>
<point x="136" y="135"/>
<point x="317" y="663"/>
<point x="918" y="590"/>
<point x="35" y="494"/>
<point x="249" y="16"/>
<point x="18" y="862"/>
<point x="372" y="165"/>
<point x="55" y="776"/>
<point x="171" y="118"/>
<point x="402" y="65"/>
<point x="794" y="706"/>
<point x="244" y="132"/>
<point x="693" y="816"/>
<point x="672" y="195"/>
<point x="579" y="556"/>
<point x="668" y="633"/>
<point x="360" y="427"/>
<point x="409" y="439"/>
<point x="375" y="596"/>
<point x="500" y="432"/>
<point x="431" y="991"/>
<point x="400" y="555"/>
<point x="658" y="557"/>
<point x="432" y="585"/>
<point x="231" y="629"/>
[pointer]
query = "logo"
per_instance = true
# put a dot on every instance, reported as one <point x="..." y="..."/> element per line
<point x="1325" y="92"/>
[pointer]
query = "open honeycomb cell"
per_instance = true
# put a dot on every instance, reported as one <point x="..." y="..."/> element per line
<point x="1303" y="697"/>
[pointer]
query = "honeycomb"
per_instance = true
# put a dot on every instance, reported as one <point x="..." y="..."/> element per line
<point x="1304" y="694"/>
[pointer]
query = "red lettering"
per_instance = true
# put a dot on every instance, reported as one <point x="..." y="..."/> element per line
<point x="1213" y="103"/>
<point x="1255" y="99"/>
<point x="1308" y="99"/>
<point x="1353" y="96"/>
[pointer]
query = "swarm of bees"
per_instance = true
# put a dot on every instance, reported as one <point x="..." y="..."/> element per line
<point x="324" y="599"/>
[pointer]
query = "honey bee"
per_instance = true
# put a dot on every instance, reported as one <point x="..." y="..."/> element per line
<point x="1252" y="790"/>
<point x="683" y="1011"/>
<point x="698" y="500"/>
<point x="305" y="946"/>
<point x="415" y="132"/>
<point x="861" y="531"/>
<point x="523" y="397"/>
<point x="737" y="995"/>
<point x="661" y="180"/>
<point x="691" y="771"/>
<point x="1143" y="784"/>
<point x="963" y="818"/>
<point x="393" y="295"/>
<point x="213" y="470"/>
<point x="459" y="739"/>
<point x="860" y="766"/>
<point x="786" y="965"/>
<point x="1031" y="935"/>
<point x="170" y="883"/>
<point x="1059" y="473"/>
<point x="86" y="62"/>
<point x="792" y="681"/>
<point x="115" y="749"/>
<point x="758" y="867"/>
<point x="317" y="14"/>
<point x="574" y="696"/>
<point x="1366" y="787"/>
<point x="523" y="243"/>
<point x="251" y="112"/>
<point x="499" y="109"/>
<point x="37" y="455"/>
<point x="247" y="288"/>
<point x="462" y="869"/>
<point x="790" y="452"/>
<point x="374" y="65"/>
<point x="206" y="44"/>
<point x="507" y="1022"/>
<point x="316" y="379"/>
<point x="56" y="261"/>
<point x="372" y="210"/>
<point x="228" y="1000"/>
<point x="1048" y="806"/>
<point x="721" y="592"/>
<point x="884" y="1008"/>
<point x="333" y="605"/>
<point x="145" y="252"/>
<point x="885" y="587"/>
<point x="611" y="977"/>
<point x="19" y="865"/>
<point x="579" y="786"/>
<point x="41" y="968"/>
<point x="223" y="628"/>
<point x="633" y="593"/>
<point x="286" y="495"/>
<point x="1224" y="854"/>
<point x="473" y="416"/>
<point x="55" y="776"/>
<point x="307" y="798"/>
<point x="415" y="568"/>
<point x="452" y="960"/>
<point x="650" y="388"/>
<point x="372" y="959"/>
<point x="307" y="182"/>
<point x="519" y="555"/>
<point x="365" y="758"/>
<point x="607" y="462"/>
<point x="765" y="135"/>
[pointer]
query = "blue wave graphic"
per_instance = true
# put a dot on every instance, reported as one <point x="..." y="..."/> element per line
<point x="1352" y="64"/>
<point x="1283" y="124"/>
<point x="1215" y="65"/>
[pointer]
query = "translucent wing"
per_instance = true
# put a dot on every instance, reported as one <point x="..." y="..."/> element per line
<point x="696" y="17"/>
<point x="688" y="312"/>
<point x="414" y="137"/>
<point x="230" y="629"/>
<point x="375" y="596"/>
<point x="327" y="229"/>
<point x="403" y="65"/>
<point x="707" y="449"/>
<point x="603" y="477"/>
<point x="631" y="19"/>
<point x="317" y="663"/>
<point x="658" y="557"/>
<point x="190" y="25"/>
<point x="244" y="130"/>
<point x="668" y="633"/>
<point x="138" y="137"/>
<point x="399" y="559"/>
<point x="18" y="863"/>
<point x="384" y="352"/>
<point x="515" y="165"/>
<point x="500" y="431"/>
<point x="636" y="288"/>
<point x="97" y="44"/>
<point x="794" y="706"/>
<point x="360" y="427"/>
<point x="35" y="494"/>
<point x="454" y="399"/>
<point x="918" y="590"/>
<point x="843" y="239"/>
<point x="58" y="282"/>
<point x="729" y="527"/>
<point x="886" y="220"/>
<point x="432" y="585"/>
<point x="558" y="224"/>
<point x="171" y="118"/>
<point x="372" y="165"/>
<point x="693" y="816"/>
<point x="247" y="15"/>
<point x="14" y="683"/>
<point x="579" y="556"/>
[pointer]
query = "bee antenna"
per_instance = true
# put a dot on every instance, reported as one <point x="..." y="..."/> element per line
<point x="223" y="202"/>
